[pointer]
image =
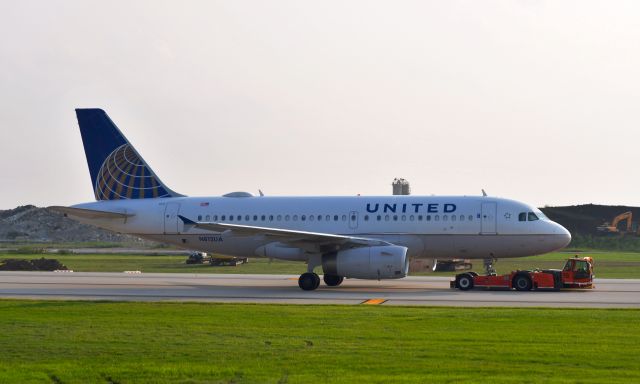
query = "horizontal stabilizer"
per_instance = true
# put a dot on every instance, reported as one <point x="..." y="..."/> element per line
<point x="90" y="213"/>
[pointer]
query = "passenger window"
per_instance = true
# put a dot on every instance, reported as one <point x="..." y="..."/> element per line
<point x="379" y="218"/>
<point x="395" y="217"/>
<point x="445" y="217"/>
<point x="404" y="217"/>
<point x="353" y="217"/>
<point x="303" y="217"/>
<point x="215" y="217"/>
<point x="328" y="218"/>
<point x="279" y="218"/>
<point x="335" y="218"/>
<point x="419" y="217"/>
<point x="239" y="217"/>
<point x="412" y="218"/>
<point x="311" y="217"/>
<point x="453" y="217"/>
<point x="270" y="217"/>
<point x="319" y="217"/>
<point x="532" y="216"/>
<point x="247" y="217"/>
<point x="223" y="217"/>
<point x="436" y="217"/>
<point x="199" y="217"/>
<point x="208" y="218"/>
<point x="286" y="218"/>
<point x="522" y="216"/>
<point x="386" y="217"/>
<point x="428" y="217"/>
<point x="295" y="217"/>
<point x="470" y="217"/>
<point x="230" y="217"/>
<point x="461" y="217"/>
<point x="344" y="217"/>
<point x="263" y="217"/>
<point x="366" y="217"/>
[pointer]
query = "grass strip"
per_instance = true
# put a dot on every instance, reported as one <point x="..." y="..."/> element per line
<point x="80" y="342"/>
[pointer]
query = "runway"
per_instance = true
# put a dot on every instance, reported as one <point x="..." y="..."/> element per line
<point x="283" y="289"/>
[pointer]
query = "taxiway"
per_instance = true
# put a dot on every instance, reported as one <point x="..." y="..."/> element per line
<point x="430" y="291"/>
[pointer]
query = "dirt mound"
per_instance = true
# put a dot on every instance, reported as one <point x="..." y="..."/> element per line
<point x="30" y="223"/>
<point x="41" y="264"/>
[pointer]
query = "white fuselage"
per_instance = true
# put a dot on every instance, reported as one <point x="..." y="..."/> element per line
<point x="432" y="227"/>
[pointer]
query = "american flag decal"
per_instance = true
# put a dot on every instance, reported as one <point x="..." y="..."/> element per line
<point x="204" y="204"/>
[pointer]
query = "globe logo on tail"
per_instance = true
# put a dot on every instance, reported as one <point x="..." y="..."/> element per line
<point x="124" y="175"/>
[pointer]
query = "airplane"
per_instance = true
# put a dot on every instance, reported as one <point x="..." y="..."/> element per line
<point x="360" y="237"/>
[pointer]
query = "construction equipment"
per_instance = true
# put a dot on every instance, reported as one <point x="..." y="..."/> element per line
<point x="577" y="273"/>
<point x="196" y="257"/>
<point x="613" y="227"/>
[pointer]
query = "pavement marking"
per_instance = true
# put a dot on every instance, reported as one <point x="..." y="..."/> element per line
<point x="374" y="301"/>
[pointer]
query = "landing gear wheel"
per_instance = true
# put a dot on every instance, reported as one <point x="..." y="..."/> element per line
<point x="465" y="282"/>
<point x="332" y="280"/>
<point x="309" y="281"/>
<point x="522" y="283"/>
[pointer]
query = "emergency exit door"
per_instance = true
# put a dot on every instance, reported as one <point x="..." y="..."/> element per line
<point x="353" y="219"/>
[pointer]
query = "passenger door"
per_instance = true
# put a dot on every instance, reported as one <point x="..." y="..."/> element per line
<point x="488" y="218"/>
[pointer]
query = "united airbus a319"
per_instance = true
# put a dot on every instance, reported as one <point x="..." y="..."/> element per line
<point x="348" y="237"/>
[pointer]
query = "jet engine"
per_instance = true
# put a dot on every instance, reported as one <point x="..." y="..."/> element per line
<point x="379" y="262"/>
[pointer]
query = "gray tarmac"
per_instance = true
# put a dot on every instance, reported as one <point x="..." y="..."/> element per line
<point x="283" y="289"/>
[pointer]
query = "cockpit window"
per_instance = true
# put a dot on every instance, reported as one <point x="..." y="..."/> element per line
<point x="540" y="214"/>
<point x="529" y="216"/>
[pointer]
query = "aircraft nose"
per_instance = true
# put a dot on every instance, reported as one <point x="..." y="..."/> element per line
<point x="562" y="236"/>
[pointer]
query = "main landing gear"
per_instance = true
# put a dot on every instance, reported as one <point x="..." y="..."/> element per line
<point x="310" y="281"/>
<point x="332" y="280"/>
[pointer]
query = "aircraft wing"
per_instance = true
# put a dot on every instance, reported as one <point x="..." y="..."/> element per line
<point x="300" y="239"/>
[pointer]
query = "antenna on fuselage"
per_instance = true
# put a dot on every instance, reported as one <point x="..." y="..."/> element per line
<point x="260" y="192"/>
<point x="484" y="193"/>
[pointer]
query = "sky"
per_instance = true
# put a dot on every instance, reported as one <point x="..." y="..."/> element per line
<point x="538" y="101"/>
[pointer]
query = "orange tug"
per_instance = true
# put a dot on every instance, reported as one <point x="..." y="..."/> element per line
<point x="577" y="273"/>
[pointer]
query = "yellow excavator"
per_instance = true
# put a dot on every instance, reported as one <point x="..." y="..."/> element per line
<point x="613" y="227"/>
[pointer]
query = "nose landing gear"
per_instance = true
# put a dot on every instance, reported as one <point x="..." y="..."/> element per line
<point x="489" y="267"/>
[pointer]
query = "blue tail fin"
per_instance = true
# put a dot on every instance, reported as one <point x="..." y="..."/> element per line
<point x="117" y="170"/>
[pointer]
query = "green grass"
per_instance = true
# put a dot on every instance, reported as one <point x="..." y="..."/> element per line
<point x="607" y="264"/>
<point x="82" y="342"/>
<point x="160" y="263"/>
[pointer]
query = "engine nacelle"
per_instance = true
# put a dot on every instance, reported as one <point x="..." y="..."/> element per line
<point x="380" y="262"/>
